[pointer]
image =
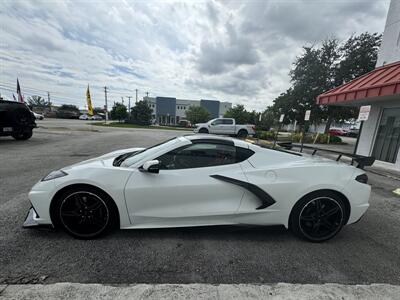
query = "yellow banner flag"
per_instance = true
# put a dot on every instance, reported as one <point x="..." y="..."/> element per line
<point x="89" y="102"/>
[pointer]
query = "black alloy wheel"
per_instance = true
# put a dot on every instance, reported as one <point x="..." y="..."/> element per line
<point x="318" y="218"/>
<point x="84" y="214"/>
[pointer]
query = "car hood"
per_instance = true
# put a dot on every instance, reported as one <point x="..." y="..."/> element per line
<point x="105" y="160"/>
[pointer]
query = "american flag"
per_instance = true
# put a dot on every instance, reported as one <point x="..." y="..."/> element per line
<point x="20" y="98"/>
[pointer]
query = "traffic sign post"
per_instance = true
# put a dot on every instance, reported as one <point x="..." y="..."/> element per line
<point x="362" y="116"/>
<point x="306" y="118"/>
<point x="279" y="128"/>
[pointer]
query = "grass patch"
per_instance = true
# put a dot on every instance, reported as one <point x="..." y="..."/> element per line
<point x="127" y="125"/>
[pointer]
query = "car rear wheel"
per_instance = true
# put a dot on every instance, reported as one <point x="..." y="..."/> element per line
<point x="318" y="216"/>
<point x="242" y="133"/>
<point x="203" y="130"/>
<point x="85" y="213"/>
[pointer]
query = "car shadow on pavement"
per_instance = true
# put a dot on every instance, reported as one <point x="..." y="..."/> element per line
<point x="222" y="232"/>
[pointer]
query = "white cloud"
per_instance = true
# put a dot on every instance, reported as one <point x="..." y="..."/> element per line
<point x="232" y="51"/>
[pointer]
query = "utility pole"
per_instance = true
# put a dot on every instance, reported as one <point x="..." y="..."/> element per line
<point x="129" y="104"/>
<point x="147" y="94"/>
<point x="48" y="100"/>
<point x="122" y="98"/>
<point x="105" y="107"/>
<point x="136" y="90"/>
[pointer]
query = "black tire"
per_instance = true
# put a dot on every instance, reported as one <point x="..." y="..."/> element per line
<point x="85" y="212"/>
<point x="318" y="216"/>
<point x="24" y="135"/>
<point x="242" y="133"/>
<point x="203" y="130"/>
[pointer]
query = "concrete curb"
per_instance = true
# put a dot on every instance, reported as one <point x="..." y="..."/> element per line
<point x="199" y="291"/>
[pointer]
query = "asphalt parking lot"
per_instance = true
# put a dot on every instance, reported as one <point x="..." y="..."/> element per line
<point x="366" y="252"/>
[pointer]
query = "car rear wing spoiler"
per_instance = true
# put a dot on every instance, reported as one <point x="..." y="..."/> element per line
<point x="362" y="161"/>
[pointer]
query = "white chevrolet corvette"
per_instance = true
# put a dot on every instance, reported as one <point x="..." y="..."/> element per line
<point x="200" y="180"/>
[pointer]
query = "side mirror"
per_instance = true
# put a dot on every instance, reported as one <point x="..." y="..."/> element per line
<point x="151" y="166"/>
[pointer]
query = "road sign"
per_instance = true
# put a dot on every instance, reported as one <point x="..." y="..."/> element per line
<point x="281" y="118"/>
<point x="307" y="115"/>
<point x="364" y="113"/>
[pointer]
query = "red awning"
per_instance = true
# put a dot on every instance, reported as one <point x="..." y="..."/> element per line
<point x="383" y="81"/>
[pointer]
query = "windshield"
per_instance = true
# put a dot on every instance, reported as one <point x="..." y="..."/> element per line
<point x="137" y="156"/>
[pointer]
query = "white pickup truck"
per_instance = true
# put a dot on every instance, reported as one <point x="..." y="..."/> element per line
<point x="225" y="126"/>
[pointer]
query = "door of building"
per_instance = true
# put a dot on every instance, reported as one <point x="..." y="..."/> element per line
<point x="387" y="141"/>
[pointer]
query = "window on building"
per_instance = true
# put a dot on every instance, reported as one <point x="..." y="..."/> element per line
<point x="387" y="142"/>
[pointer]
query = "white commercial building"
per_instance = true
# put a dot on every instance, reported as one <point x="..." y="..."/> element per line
<point x="169" y="111"/>
<point x="380" y="88"/>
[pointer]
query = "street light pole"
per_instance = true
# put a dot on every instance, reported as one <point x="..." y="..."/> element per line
<point x="105" y="98"/>
<point x="129" y="104"/>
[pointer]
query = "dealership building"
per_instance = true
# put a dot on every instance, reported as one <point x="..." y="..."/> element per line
<point x="169" y="111"/>
<point x="379" y="89"/>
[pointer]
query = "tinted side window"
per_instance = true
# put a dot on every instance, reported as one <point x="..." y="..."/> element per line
<point x="198" y="156"/>
<point x="243" y="154"/>
<point x="217" y="122"/>
<point x="227" y="122"/>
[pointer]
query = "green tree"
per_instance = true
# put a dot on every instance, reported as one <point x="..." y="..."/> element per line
<point x="38" y="101"/>
<point x="67" y="111"/>
<point x="98" y="110"/>
<point x="119" y="112"/>
<point x="320" y="69"/>
<point x="240" y="114"/>
<point x="141" y="113"/>
<point x="197" y="114"/>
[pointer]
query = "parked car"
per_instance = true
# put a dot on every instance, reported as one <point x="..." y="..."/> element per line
<point x="96" y="117"/>
<point x="200" y="180"/>
<point x="337" y="132"/>
<point x="84" y="117"/>
<point x="16" y="120"/>
<point x="185" y="123"/>
<point x="38" y="116"/>
<point x="225" y="126"/>
<point x="353" y="132"/>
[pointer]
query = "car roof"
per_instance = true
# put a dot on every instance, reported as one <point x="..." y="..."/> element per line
<point x="198" y="138"/>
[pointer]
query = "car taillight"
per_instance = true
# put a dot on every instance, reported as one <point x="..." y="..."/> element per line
<point x="363" y="178"/>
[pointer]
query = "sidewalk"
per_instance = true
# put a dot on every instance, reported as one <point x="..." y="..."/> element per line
<point x="199" y="291"/>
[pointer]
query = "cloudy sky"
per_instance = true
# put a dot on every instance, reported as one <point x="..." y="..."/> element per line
<point x="237" y="51"/>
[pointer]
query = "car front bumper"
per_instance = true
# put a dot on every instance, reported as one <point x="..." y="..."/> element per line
<point x="31" y="220"/>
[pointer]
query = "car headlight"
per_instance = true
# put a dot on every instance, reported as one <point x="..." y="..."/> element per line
<point x="54" y="175"/>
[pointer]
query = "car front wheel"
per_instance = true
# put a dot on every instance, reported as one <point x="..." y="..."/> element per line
<point x="24" y="135"/>
<point x="85" y="213"/>
<point x="318" y="216"/>
<point x="203" y="130"/>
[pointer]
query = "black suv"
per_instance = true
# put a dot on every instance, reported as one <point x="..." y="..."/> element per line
<point x="16" y="119"/>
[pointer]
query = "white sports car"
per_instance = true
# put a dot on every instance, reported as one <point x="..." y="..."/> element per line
<point x="199" y="180"/>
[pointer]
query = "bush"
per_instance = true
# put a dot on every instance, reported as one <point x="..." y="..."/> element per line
<point x="265" y="135"/>
<point x="322" y="138"/>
